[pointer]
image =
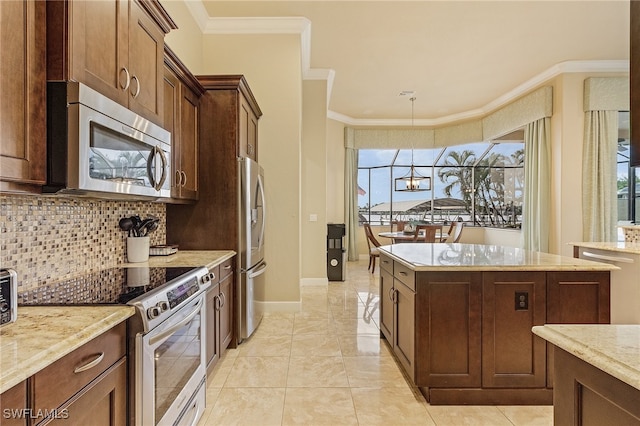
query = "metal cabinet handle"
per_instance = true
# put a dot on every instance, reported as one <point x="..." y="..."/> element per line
<point x="126" y="71"/>
<point x="90" y="364"/>
<point x="183" y="179"/>
<point x="227" y="267"/>
<point x="403" y="273"/>
<point x="391" y="290"/>
<point x="216" y="304"/>
<point x="224" y="300"/>
<point x="135" y="95"/>
<point x="178" y="178"/>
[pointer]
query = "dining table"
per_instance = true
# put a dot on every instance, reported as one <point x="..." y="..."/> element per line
<point x="407" y="237"/>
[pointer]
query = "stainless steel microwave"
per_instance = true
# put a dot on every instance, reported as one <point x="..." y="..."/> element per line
<point x="96" y="147"/>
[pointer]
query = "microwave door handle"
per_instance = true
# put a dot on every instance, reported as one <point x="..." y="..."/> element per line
<point x="152" y="168"/>
<point x="163" y="168"/>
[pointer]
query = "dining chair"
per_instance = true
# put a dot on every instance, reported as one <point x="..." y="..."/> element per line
<point x="399" y="225"/>
<point x="454" y="233"/>
<point x="429" y="235"/>
<point x="373" y="245"/>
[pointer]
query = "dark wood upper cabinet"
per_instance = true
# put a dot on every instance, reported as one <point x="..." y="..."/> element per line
<point x="23" y="100"/>
<point x="182" y="93"/>
<point x="116" y="47"/>
<point x="634" y="76"/>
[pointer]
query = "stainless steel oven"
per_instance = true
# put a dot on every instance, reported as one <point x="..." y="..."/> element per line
<point x="170" y="361"/>
<point x="165" y="339"/>
<point x="171" y="369"/>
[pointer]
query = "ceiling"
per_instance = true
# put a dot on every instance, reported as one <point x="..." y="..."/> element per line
<point x="462" y="58"/>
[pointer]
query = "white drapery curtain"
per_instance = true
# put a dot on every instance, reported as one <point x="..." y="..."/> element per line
<point x="599" y="176"/>
<point x="537" y="184"/>
<point x="351" y="201"/>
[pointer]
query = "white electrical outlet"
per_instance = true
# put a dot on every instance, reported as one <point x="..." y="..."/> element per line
<point x="313" y="217"/>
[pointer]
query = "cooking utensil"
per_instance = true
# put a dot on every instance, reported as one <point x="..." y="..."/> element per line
<point x="136" y="225"/>
<point x="151" y="226"/>
<point x="141" y="228"/>
<point x="126" y="224"/>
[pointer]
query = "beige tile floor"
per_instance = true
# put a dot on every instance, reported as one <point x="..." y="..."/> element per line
<point x="326" y="365"/>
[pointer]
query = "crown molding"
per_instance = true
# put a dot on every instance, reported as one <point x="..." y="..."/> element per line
<point x="604" y="66"/>
<point x="302" y="26"/>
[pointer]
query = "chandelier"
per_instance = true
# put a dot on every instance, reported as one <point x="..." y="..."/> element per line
<point x="412" y="181"/>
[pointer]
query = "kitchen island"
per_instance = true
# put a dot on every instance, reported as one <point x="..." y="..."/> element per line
<point x="597" y="374"/>
<point x="458" y="317"/>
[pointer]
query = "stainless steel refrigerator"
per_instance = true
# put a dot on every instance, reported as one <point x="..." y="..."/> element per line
<point x="251" y="291"/>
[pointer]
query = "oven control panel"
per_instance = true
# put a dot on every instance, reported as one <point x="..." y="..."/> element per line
<point x="182" y="292"/>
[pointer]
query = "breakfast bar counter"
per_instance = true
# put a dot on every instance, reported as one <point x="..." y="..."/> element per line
<point x="597" y="374"/>
<point x="458" y="317"/>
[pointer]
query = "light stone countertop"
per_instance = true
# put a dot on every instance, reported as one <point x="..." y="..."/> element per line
<point x="614" y="349"/>
<point x="482" y="257"/>
<point x="208" y="258"/>
<point x="43" y="334"/>
<point x="620" y="246"/>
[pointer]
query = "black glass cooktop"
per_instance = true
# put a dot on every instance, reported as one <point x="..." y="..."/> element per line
<point x="115" y="286"/>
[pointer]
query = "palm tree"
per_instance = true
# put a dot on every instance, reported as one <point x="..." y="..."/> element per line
<point x="457" y="173"/>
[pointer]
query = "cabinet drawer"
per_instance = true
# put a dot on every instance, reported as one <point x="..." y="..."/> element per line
<point x="404" y="274"/>
<point x="226" y="268"/>
<point x="216" y="272"/>
<point x="61" y="380"/>
<point x="386" y="264"/>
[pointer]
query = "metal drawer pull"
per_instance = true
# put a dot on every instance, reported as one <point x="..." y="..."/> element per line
<point x="227" y="267"/>
<point x="403" y="273"/>
<point x="90" y="365"/>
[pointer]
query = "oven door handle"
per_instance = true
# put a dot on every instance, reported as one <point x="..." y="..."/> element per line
<point x="168" y="332"/>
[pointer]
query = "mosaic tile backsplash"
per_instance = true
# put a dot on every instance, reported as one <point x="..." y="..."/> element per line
<point x="46" y="239"/>
<point x="631" y="233"/>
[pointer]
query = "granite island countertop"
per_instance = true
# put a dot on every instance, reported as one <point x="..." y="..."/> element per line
<point x="483" y="257"/>
<point x="43" y="334"/>
<point x="614" y="349"/>
<point x="620" y="246"/>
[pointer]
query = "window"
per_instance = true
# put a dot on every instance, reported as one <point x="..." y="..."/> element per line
<point x="482" y="183"/>
<point x="628" y="177"/>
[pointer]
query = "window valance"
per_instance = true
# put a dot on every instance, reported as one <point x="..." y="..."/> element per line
<point x="606" y="94"/>
<point x="529" y="108"/>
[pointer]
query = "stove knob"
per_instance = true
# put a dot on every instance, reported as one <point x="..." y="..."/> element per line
<point x="153" y="312"/>
<point x="164" y="306"/>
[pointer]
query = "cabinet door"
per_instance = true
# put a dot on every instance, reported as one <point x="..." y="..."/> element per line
<point x="172" y="124"/>
<point x="188" y="143"/>
<point x="23" y="92"/>
<point x="226" y="312"/>
<point x="212" y="347"/>
<point x="448" y="338"/>
<point x="512" y="356"/>
<point x="386" y="304"/>
<point x="576" y="298"/>
<point x="146" y="59"/>
<point x="13" y="403"/>
<point x="248" y="143"/>
<point x="404" y="327"/>
<point x="102" y="403"/>
<point x="99" y="45"/>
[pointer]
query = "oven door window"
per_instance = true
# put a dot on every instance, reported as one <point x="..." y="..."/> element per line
<point x="176" y="361"/>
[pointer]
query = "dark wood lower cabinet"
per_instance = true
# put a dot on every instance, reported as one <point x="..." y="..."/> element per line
<point x="585" y="395"/>
<point x="464" y="337"/>
<point x="101" y="403"/>
<point x="13" y="403"/>
<point x="220" y="314"/>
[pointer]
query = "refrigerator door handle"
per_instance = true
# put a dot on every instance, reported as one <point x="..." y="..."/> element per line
<point x="264" y="211"/>
<point x="259" y="270"/>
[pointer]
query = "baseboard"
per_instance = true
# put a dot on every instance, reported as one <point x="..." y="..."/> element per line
<point x="314" y="281"/>
<point x="279" y="306"/>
